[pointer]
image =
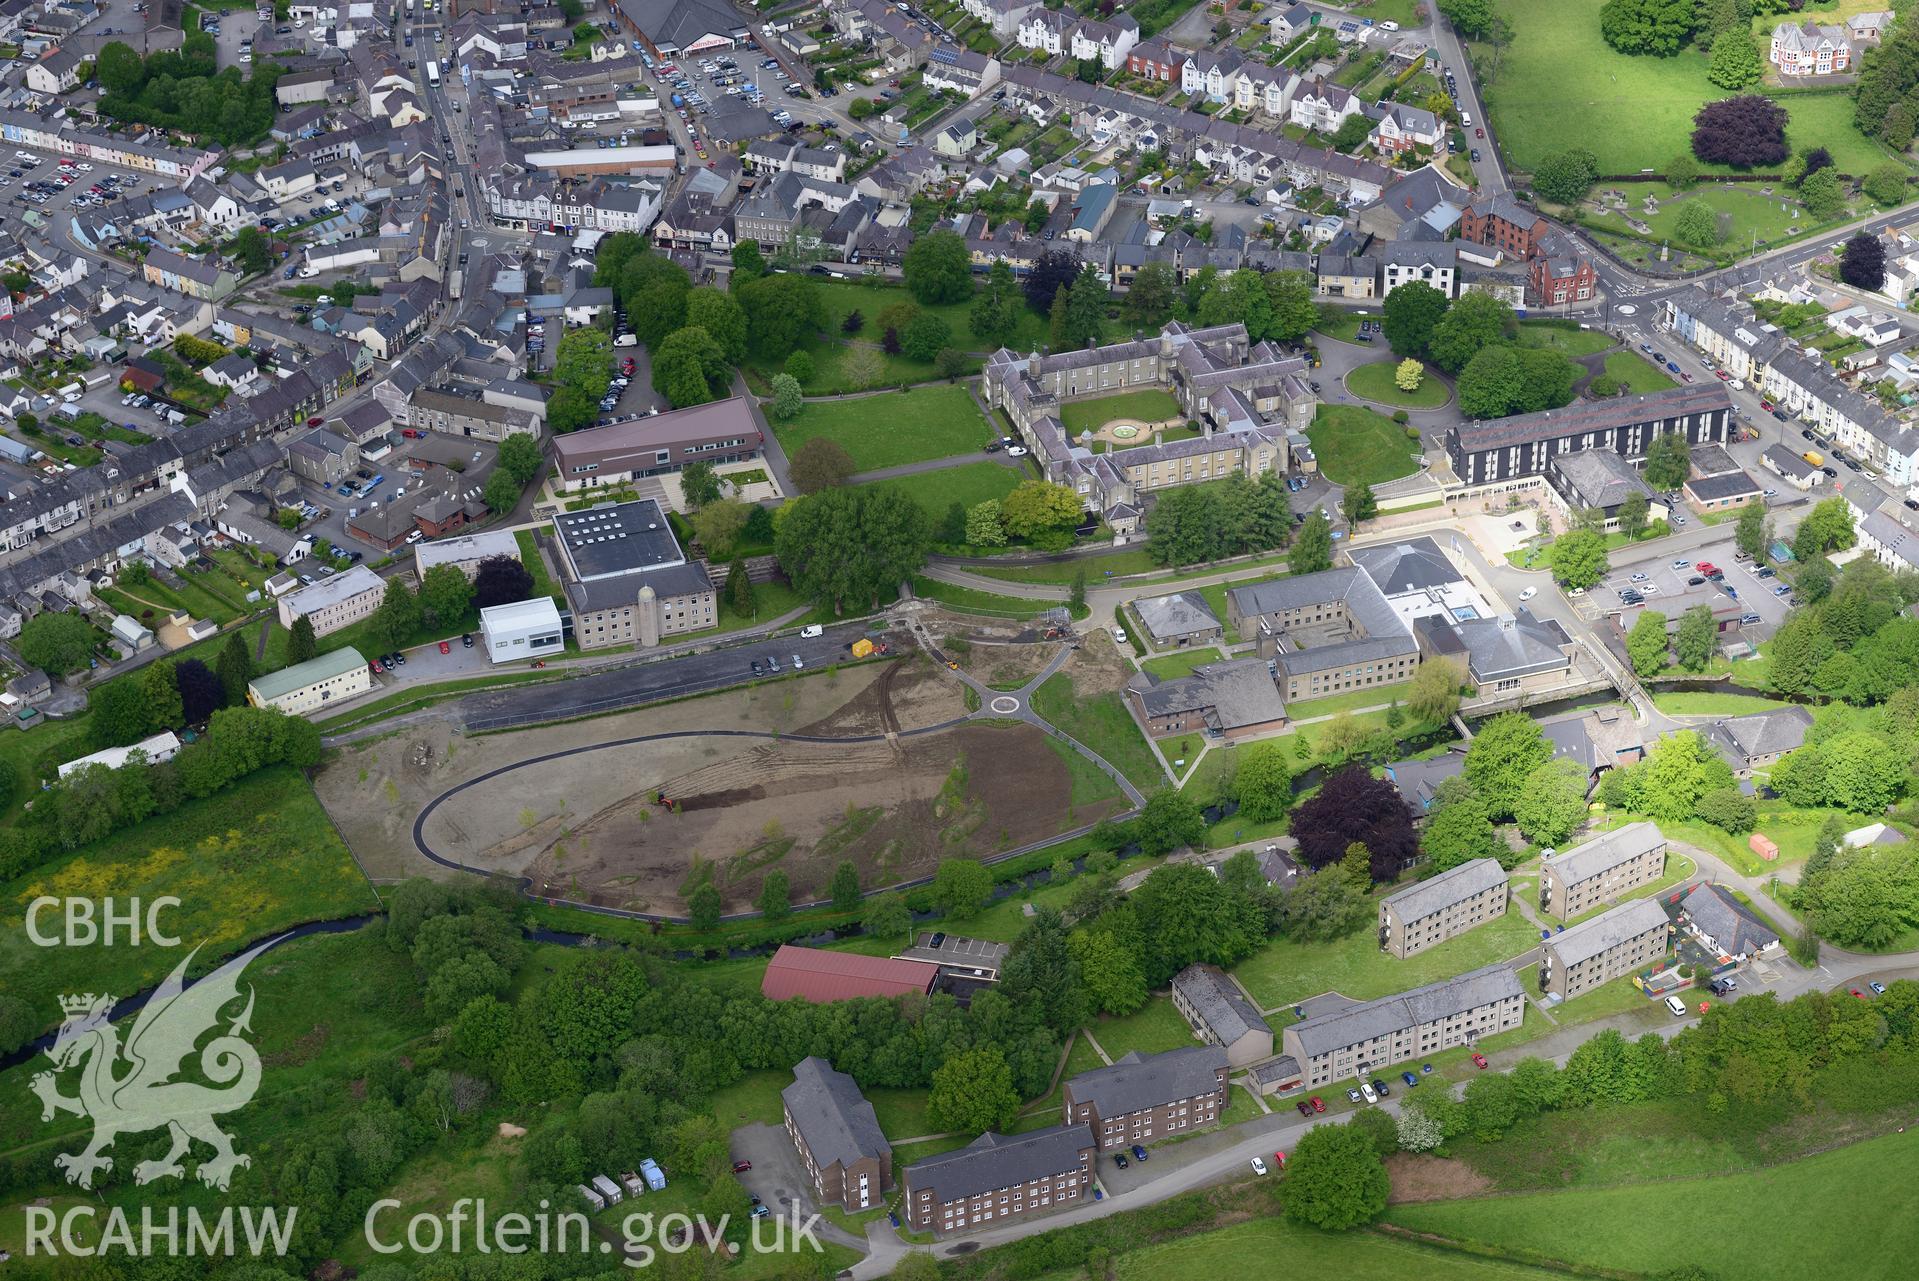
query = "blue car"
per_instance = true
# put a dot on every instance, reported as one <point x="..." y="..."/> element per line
<point x="1409" y="1078"/>
<point x="1673" y="367"/>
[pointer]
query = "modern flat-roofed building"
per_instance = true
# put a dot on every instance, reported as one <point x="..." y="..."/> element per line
<point x="1220" y="1014"/>
<point x="1521" y="447"/>
<point x="1442" y="907"/>
<point x="1372" y="1035"/>
<point x="627" y="580"/>
<point x="1000" y="1177"/>
<point x="1601" y="870"/>
<point x="1616" y="942"/>
<point x="837" y="1135"/>
<point x="331" y="678"/>
<point x="465" y="552"/>
<point x="816" y="975"/>
<point x="336" y="602"/>
<point x="521" y="629"/>
<point x="1140" y="1097"/>
<point x="722" y="432"/>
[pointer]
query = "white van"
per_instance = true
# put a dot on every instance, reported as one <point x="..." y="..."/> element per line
<point x="812" y="629"/>
<point x="1466" y="118"/>
<point x="1677" y="1006"/>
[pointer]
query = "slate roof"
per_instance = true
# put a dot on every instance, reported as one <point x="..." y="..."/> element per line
<point x="1605" y="851"/>
<point x="832" y="1116"/>
<point x="995" y="1161"/>
<point x="1455" y="885"/>
<point x="1767" y="733"/>
<point x="1414" y="564"/>
<point x="1606" y="931"/>
<point x="1386" y="635"/>
<point x="1179" y="614"/>
<point x="1353" y="1024"/>
<point x="1726" y="485"/>
<point x="1220" y="1004"/>
<point x="1733" y="926"/>
<point x="1599" y="478"/>
<point x="1137" y="1082"/>
<point x="1237" y="692"/>
<point x="1594" y="415"/>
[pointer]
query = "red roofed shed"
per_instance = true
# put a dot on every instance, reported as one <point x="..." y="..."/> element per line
<point x="818" y="976"/>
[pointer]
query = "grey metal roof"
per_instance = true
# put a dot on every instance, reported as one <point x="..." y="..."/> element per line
<point x="1605" y="851"/>
<point x="1389" y="1014"/>
<point x="1726" y="485"/>
<point x="1606" y="931"/>
<point x="995" y="1161"/>
<point x="1224" y="1009"/>
<point x="832" y="1116"/>
<point x="1787" y="463"/>
<point x="1180" y="614"/>
<point x="1137" y="1082"/>
<point x="1455" y="885"/>
<point x="1283" y="1068"/>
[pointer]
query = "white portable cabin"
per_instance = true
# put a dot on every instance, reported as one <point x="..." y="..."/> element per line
<point x="592" y="1198"/>
<point x="609" y="1190"/>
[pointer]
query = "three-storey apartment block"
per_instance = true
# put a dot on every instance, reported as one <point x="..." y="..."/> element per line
<point x="1442" y="907"/>
<point x="1601" y="870"/>
<point x="1370" y="1035"/>
<point x="1141" y="1098"/>
<point x="1612" y="944"/>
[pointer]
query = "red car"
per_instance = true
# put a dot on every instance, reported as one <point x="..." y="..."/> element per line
<point x="445" y="648"/>
<point x="1279" y="1159"/>
<point x="741" y="1167"/>
<point x="1861" y="995"/>
<point x="1479" y="133"/>
<point x="315" y="421"/>
<point x="1479" y="1060"/>
<point x="1766" y="405"/>
<point x="1319" y="1104"/>
<point x="375" y="665"/>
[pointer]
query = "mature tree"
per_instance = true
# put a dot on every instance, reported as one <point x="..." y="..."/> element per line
<point x="800" y="367"/>
<point x="788" y="400"/>
<point x="1697" y="633"/>
<point x="1085" y="321"/>
<point x="1240" y="298"/>
<point x="1504" y="751"/>
<point x="235" y="668"/>
<point x="1409" y="374"/>
<point x="748" y="263"/>
<point x="398" y="615"/>
<point x="1696" y="224"/>
<point x="938" y="269"/>
<point x="1492" y="384"/>
<point x="1185" y="914"/>
<point x="845" y="889"/>
<point x="1149" y="299"/>
<point x="720" y="316"/>
<point x="1295" y="312"/>
<point x="718" y="526"/>
<point x="1111" y="969"/>
<point x="1551" y="802"/>
<point x="1682" y="171"/>
<point x="1473" y="19"/>
<point x="1730" y="810"/>
<point x="501" y="580"/>
<point x="995" y="315"/>
<point x="1668" y="461"/>
<point x="1352" y="131"/>
<point x="117" y="713"/>
<point x="962" y="887"/>
<point x="1578" y="558"/>
<point x="1168" y="820"/>
<point x="302" y="644"/>
<point x="1313" y="545"/>
<point x="1646" y="643"/>
<point x="1564" y="177"/>
<point x="1039" y="507"/>
<point x="972" y="1092"/>
<point x="782" y="311"/>
<point x="1812" y="162"/>
<point x="690" y="368"/>
<point x="1633" y="514"/>
<point x="1827" y="527"/>
<point x="1051" y="272"/>
<point x="1041" y="977"/>
<point x="888" y="917"/>
<point x="1459" y="831"/>
<point x="1823" y="194"/>
<point x="1862" y="264"/>
<point x="984" y="528"/>
<point x="1334" y="1179"/>
<point x="56" y="643"/>
<point x="119" y="69"/>
<point x="1677" y="772"/>
<point x="739" y="589"/>
<point x="1323" y="906"/>
<point x="775" y="900"/>
<point x="1350" y="806"/>
<point x="1263" y="781"/>
<point x="1356" y="504"/>
<point x="1742" y="132"/>
<point x="500" y="492"/>
<point x="445" y="594"/>
<point x="1475" y="322"/>
<point x="821" y="463"/>
<point x="1432" y="695"/>
<point x="704" y="906"/>
<point x="1412" y="310"/>
<point x="1735" y="63"/>
<point x="1752" y="532"/>
<point x="250" y="249"/>
<point x="1886" y="184"/>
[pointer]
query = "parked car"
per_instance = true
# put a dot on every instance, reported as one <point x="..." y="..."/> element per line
<point x="1259" y="1166"/>
<point x="446" y="647"/>
<point x="1410" y="1080"/>
<point x="466" y="638"/>
<point x="1139" y="1153"/>
<point x="1319" y="1104"/>
<point x="1305" y="1108"/>
<point x="1479" y="1060"/>
<point x="1119" y="1159"/>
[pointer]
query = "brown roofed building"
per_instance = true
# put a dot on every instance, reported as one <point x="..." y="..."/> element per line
<point x="1506" y="225"/>
<point x="817" y="976"/>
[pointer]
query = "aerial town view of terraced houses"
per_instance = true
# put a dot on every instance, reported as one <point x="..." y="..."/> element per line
<point x="959" y="640"/>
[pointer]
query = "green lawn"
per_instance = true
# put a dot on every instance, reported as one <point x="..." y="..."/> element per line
<point x="1757" y="218"/>
<point x="543" y="584"/>
<point x="967" y="598"/>
<point x="1153" y="1028"/>
<point x="1847" y="1213"/>
<point x="753" y="1099"/>
<point x="1378" y="382"/>
<point x="1136" y="561"/>
<point x="966" y="484"/>
<point x="1151" y="406"/>
<point x="1273" y="1247"/>
<point x="892" y="428"/>
<point x="1350" y="701"/>
<point x="1103" y="724"/>
<point x="1283" y="972"/>
<point x="244" y="863"/>
<point x="1562" y="336"/>
<point x="1172" y="666"/>
<point x="1676" y="704"/>
<point x="1359" y="447"/>
<point x="1559" y="85"/>
<point x="1635" y="374"/>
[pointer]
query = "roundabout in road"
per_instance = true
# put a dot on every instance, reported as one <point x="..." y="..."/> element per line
<point x="1004" y="705"/>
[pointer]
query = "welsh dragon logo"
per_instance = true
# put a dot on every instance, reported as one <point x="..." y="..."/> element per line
<point x="144" y="1096"/>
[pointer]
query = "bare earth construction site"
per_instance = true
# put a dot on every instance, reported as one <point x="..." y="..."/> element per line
<point x="873" y="764"/>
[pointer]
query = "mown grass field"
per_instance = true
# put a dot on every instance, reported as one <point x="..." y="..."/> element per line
<point x="1359" y="447"/>
<point x="1635" y="374"/>
<point x="1283" y="972"/>
<point x="1379" y="381"/>
<point x="1153" y="1028"/>
<point x="1560" y="85"/>
<point x="1103" y="724"/>
<point x="968" y="484"/>
<point x="1853" y="1212"/>
<point x="892" y="428"/>
<point x="244" y="863"/>
<point x="1151" y="406"/>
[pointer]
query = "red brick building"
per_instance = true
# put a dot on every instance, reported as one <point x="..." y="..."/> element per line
<point x="1156" y="60"/>
<point x="1506" y="225"/>
<point x="1554" y="281"/>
